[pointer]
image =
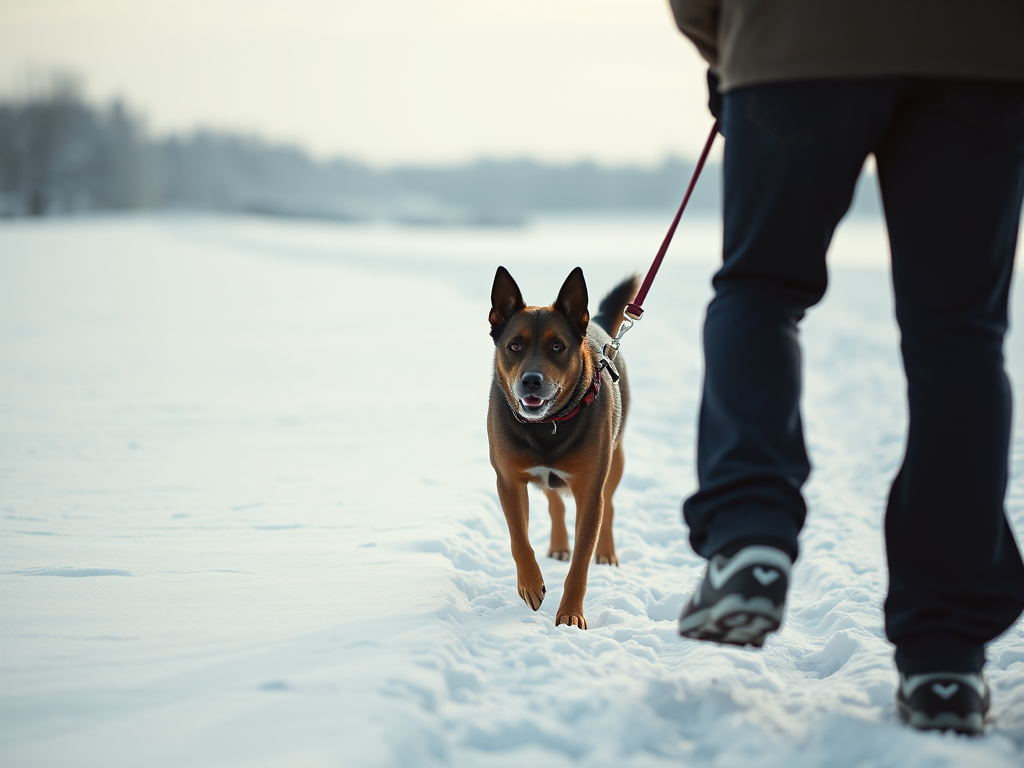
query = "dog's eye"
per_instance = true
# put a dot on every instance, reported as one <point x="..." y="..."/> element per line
<point x="557" y="346"/>
<point x="515" y="346"/>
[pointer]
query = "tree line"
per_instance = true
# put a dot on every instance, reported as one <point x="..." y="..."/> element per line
<point x="61" y="154"/>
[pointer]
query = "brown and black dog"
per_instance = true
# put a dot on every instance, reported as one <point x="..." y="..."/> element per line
<point x="555" y="418"/>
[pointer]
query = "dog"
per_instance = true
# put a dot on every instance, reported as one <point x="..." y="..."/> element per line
<point x="556" y="414"/>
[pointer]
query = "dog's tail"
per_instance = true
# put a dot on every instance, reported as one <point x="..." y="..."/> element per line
<point x="609" y="314"/>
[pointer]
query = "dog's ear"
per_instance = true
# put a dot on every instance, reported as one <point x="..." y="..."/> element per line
<point x="506" y="300"/>
<point x="572" y="301"/>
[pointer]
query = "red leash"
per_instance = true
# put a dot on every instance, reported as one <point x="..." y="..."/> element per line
<point x="634" y="310"/>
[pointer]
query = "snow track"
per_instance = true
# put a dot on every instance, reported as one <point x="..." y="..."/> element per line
<point x="247" y="518"/>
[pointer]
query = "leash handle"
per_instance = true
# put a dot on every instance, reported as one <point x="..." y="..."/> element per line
<point x="634" y="310"/>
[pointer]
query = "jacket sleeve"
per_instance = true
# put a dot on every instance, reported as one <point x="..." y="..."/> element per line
<point x="698" y="20"/>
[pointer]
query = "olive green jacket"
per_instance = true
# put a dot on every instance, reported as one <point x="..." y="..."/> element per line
<point x="759" y="41"/>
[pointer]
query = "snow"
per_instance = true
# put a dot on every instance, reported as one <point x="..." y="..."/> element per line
<point x="247" y="517"/>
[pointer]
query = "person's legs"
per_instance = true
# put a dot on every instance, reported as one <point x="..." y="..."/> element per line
<point x="951" y="169"/>
<point x="792" y="157"/>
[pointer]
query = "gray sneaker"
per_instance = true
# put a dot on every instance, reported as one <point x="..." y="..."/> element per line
<point x="944" y="701"/>
<point x="740" y="600"/>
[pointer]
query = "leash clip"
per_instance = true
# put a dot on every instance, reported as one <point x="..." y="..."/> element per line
<point x="608" y="365"/>
<point x="612" y="347"/>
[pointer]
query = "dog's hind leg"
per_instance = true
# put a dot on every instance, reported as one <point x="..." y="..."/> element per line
<point x="559" y="548"/>
<point x="606" y="542"/>
<point x="515" y="503"/>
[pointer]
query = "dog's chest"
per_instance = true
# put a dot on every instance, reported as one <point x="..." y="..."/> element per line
<point x="549" y="478"/>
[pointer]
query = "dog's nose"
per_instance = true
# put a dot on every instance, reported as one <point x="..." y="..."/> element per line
<point x="533" y="379"/>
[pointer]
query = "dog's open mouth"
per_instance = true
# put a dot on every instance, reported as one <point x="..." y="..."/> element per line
<point x="532" y="403"/>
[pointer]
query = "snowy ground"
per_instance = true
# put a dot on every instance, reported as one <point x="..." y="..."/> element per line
<point x="247" y="518"/>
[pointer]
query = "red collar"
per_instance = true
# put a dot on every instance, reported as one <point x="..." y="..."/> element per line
<point x="569" y="411"/>
<point x="588" y="397"/>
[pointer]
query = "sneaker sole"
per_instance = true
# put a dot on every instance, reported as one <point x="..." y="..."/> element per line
<point x="971" y="725"/>
<point x="734" y="620"/>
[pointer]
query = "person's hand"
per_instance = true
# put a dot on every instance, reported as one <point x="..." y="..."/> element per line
<point x="714" y="97"/>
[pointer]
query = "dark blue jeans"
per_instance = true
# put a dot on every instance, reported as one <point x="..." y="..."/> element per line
<point x="950" y="158"/>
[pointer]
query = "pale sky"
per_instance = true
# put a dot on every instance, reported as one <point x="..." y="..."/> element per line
<point x="386" y="81"/>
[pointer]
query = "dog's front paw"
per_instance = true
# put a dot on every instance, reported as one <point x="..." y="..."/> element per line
<point x="607" y="559"/>
<point x="572" y="619"/>
<point x="532" y="590"/>
<point x="559" y="554"/>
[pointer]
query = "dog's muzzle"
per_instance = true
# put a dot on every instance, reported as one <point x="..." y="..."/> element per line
<point x="534" y="394"/>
